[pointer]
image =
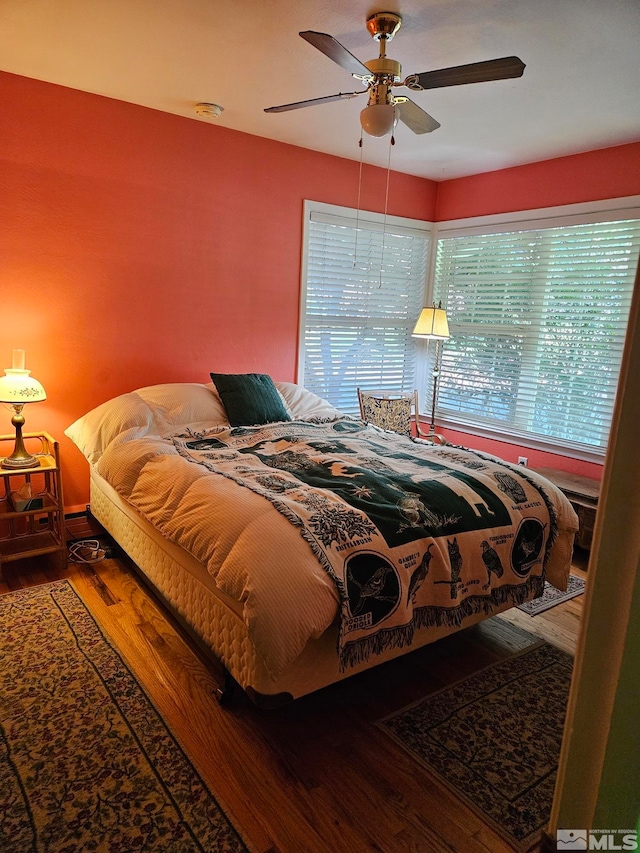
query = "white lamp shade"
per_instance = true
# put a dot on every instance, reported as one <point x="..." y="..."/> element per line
<point x="432" y="324"/>
<point x="17" y="386"/>
<point x="378" y="119"/>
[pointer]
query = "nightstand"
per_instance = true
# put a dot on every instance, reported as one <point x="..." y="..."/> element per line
<point x="31" y="505"/>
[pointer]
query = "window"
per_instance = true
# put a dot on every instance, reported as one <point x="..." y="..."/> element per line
<point x="363" y="287"/>
<point x="538" y="318"/>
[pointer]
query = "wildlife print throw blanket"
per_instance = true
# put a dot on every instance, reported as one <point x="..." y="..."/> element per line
<point x="412" y="534"/>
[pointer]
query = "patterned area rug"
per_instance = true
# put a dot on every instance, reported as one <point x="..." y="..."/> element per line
<point x="494" y="738"/>
<point x="86" y="761"/>
<point x="552" y="596"/>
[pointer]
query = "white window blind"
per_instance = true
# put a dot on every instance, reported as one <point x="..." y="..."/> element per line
<point x="364" y="289"/>
<point x="538" y="319"/>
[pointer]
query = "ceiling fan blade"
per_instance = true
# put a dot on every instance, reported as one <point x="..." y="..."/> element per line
<point x="415" y="117"/>
<point x="312" y="103"/>
<point x="334" y="50"/>
<point x="475" y="72"/>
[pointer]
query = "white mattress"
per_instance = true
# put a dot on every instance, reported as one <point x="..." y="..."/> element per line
<point x="215" y="620"/>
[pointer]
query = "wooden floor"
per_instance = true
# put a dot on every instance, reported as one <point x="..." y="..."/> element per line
<point x="316" y="776"/>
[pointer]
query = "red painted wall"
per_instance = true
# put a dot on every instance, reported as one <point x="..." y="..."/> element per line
<point x="535" y="458"/>
<point x="592" y="176"/>
<point x="139" y="247"/>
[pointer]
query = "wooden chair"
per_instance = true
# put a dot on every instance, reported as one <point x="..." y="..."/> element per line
<point x="390" y="410"/>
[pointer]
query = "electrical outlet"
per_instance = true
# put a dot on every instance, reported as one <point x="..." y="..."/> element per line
<point x="523" y="460"/>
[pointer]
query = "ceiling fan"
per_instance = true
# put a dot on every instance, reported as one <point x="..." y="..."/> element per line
<point x="382" y="75"/>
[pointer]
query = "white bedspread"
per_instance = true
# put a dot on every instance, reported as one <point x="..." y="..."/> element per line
<point x="254" y="553"/>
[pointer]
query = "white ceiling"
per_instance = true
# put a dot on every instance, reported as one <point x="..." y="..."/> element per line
<point x="580" y="89"/>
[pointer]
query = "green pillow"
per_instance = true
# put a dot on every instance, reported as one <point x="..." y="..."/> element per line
<point x="249" y="398"/>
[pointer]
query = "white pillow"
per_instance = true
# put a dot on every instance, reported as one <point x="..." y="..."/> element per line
<point x="156" y="409"/>
<point x="121" y="419"/>
<point x="303" y="405"/>
<point x="181" y="403"/>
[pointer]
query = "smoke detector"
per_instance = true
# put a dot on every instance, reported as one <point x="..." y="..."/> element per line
<point x="209" y="110"/>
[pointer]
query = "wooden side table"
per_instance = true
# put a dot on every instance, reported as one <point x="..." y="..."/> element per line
<point x="32" y="518"/>
<point x="583" y="493"/>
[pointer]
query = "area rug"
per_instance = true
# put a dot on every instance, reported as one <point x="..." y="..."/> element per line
<point x="552" y="596"/>
<point x="86" y="761"/>
<point x="494" y="739"/>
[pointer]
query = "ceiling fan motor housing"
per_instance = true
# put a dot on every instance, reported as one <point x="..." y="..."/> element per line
<point x="380" y="93"/>
<point x="385" y="67"/>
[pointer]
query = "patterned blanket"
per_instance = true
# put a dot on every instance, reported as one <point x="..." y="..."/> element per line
<point x="411" y="534"/>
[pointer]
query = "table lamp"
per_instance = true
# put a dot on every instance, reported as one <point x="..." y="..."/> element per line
<point x="433" y="325"/>
<point x="17" y="388"/>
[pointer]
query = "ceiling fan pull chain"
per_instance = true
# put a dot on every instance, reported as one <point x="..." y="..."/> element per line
<point x="355" y="248"/>
<point x="386" y="205"/>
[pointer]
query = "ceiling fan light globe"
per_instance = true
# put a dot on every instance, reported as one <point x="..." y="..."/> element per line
<point x="378" y="119"/>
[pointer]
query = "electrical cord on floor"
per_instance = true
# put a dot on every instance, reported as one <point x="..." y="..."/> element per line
<point x="87" y="551"/>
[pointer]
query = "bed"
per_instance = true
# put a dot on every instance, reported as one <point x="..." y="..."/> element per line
<point x="299" y="546"/>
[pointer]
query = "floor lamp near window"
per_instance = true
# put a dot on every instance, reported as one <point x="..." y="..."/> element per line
<point x="432" y="325"/>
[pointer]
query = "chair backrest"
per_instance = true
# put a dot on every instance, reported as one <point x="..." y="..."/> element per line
<point x="389" y="410"/>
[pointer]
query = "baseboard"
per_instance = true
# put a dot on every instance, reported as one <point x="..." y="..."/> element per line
<point x="82" y="525"/>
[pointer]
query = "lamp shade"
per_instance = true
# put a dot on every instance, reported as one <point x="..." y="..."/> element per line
<point x="378" y="119"/>
<point x="432" y="324"/>
<point x="17" y="386"/>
